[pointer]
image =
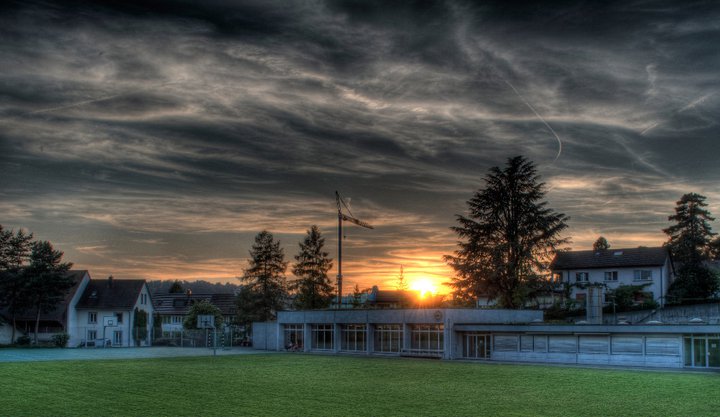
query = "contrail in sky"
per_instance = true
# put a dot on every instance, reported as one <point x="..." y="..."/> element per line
<point x="539" y="117"/>
<point x="81" y="103"/>
<point x="96" y="100"/>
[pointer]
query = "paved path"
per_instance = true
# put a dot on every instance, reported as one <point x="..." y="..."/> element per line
<point x="39" y="354"/>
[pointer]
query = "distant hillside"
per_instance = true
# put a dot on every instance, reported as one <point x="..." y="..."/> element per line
<point x="197" y="287"/>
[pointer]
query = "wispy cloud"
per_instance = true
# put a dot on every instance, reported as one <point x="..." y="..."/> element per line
<point x="159" y="128"/>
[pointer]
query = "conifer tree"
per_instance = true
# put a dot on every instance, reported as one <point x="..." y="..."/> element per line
<point x="313" y="286"/>
<point x="690" y="245"/>
<point x="508" y="237"/>
<point x="690" y="236"/>
<point x="14" y="253"/>
<point x="264" y="292"/>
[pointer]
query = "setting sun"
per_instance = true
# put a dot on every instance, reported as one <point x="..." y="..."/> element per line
<point x="423" y="286"/>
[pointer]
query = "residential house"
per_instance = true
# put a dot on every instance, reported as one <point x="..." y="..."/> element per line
<point x="62" y="318"/>
<point x="172" y="308"/>
<point x="106" y="313"/>
<point x="611" y="268"/>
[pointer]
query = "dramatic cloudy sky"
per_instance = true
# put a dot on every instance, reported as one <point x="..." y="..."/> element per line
<point x="156" y="139"/>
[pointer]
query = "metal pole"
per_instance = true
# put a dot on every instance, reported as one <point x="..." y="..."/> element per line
<point x="339" y="275"/>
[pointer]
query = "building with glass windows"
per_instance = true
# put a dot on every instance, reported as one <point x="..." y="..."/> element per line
<point x="492" y="335"/>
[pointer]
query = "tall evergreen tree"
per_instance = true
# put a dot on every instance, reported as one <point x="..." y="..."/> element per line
<point x="313" y="286"/>
<point x="48" y="281"/>
<point x="601" y="244"/>
<point x="14" y="253"/>
<point x="715" y="249"/>
<point x="690" y="236"/>
<point x="265" y="291"/>
<point x="690" y="245"/>
<point x="508" y="237"/>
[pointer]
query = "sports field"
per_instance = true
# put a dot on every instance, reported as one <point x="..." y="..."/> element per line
<point x="312" y="385"/>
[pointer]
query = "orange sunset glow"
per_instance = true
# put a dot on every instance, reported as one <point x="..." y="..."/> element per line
<point x="142" y="149"/>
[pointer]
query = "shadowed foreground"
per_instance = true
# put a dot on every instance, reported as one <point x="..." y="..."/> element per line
<point x="336" y="385"/>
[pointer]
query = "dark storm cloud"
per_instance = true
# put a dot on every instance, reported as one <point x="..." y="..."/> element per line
<point x="148" y="124"/>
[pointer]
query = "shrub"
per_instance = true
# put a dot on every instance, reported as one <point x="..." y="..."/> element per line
<point x="23" y="340"/>
<point x="60" y="339"/>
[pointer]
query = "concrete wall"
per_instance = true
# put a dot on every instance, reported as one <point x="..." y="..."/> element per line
<point x="645" y="350"/>
<point x="265" y="335"/>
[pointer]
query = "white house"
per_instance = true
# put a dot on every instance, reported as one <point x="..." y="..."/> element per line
<point x="93" y="311"/>
<point x="106" y="313"/>
<point x="612" y="268"/>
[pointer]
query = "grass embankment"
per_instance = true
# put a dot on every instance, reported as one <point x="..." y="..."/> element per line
<point x="306" y="385"/>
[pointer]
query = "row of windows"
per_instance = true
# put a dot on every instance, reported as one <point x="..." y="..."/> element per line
<point x="388" y="338"/>
<point x="638" y="275"/>
<point x="173" y="319"/>
<point x="93" y="317"/>
<point x="116" y="340"/>
<point x="627" y="345"/>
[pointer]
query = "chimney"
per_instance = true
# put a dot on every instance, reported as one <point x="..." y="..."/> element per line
<point x="110" y="278"/>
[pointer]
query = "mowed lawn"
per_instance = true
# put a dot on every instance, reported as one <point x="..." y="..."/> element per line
<point x="313" y="385"/>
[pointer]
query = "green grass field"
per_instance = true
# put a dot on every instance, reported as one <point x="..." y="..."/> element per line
<point x="309" y="385"/>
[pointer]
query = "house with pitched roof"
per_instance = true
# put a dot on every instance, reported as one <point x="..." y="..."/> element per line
<point x="107" y="313"/>
<point x="62" y="318"/>
<point x="611" y="268"/>
<point x="172" y="308"/>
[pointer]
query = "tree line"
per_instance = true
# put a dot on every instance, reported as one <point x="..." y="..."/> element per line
<point x="510" y="235"/>
<point x="33" y="277"/>
<point x="265" y="290"/>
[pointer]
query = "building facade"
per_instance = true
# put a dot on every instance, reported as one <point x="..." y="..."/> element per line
<point x="489" y="335"/>
<point x="93" y="313"/>
<point x="650" y="268"/>
<point x="106" y="314"/>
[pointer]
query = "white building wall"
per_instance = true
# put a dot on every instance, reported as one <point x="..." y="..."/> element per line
<point x="105" y="332"/>
<point x="5" y="334"/>
<point x="143" y="302"/>
<point x="626" y="276"/>
<point x="71" y="319"/>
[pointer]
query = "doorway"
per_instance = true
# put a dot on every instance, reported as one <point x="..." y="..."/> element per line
<point x="702" y="351"/>
<point x="476" y="346"/>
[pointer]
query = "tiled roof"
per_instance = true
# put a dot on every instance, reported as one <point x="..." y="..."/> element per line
<point x="119" y="294"/>
<point x="180" y="303"/>
<point x="610" y="258"/>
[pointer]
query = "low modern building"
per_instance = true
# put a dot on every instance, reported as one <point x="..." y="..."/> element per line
<point x="492" y="335"/>
<point x="611" y="268"/>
